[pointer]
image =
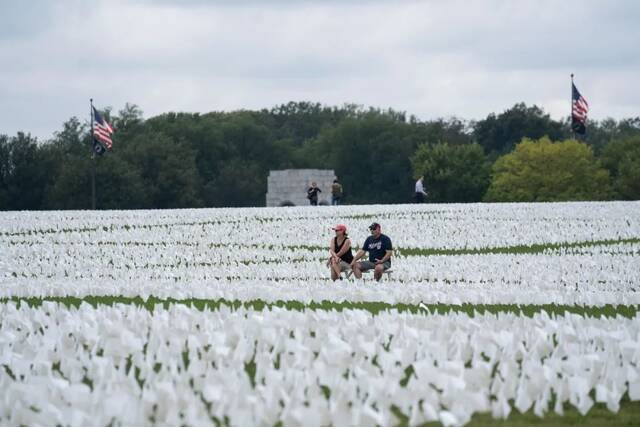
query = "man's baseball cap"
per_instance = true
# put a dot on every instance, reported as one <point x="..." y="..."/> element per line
<point x="340" y="227"/>
<point x="374" y="226"/>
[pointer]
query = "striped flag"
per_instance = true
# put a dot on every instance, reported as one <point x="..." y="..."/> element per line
<point x="102" y="131"/>
<point x="579" y="110"/>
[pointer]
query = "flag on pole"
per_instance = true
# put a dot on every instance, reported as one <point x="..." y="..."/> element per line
<point x="579" y="110"/>
<point x="98" y="147"/>
<point x="102" y="132"/>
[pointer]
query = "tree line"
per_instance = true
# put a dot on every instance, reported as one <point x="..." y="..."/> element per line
<point x="190" y="160"/>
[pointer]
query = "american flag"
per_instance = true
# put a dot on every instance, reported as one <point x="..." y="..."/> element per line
<point x="579" y="110"/>
<point x="102" y="130"/>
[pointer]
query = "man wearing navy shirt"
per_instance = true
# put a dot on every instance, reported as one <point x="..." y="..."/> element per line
<point x="380" y="251"/>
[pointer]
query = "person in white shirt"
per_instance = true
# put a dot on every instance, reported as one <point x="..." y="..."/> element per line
<point x="420" y="193"/>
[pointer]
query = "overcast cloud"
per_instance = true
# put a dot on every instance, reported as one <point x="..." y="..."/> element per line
<point x="428" y="58"/>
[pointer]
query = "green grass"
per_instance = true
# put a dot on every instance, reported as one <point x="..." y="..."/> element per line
<point x="373" y="307"/>
<point x="599" y="415"/>
<point x="516" y="249"/>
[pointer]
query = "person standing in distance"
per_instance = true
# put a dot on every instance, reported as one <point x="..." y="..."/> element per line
<point x="312" y="194"/>
<point x="336" y="192"/>
<point x="380" y="252"/>
<point x="420" y="193"/>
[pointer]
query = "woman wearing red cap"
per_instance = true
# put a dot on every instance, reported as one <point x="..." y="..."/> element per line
<point x="340" y="250"/>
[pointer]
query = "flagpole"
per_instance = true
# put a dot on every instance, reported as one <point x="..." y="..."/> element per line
<point x="93" y="162"/>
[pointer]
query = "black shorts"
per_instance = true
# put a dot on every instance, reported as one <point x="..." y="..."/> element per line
<point x="368" y="265"/>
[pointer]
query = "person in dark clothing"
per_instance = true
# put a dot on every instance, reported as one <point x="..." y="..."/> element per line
<point x="312" y="194"/>
<point x="336" y="193"/>
<point x="340" y="252"/>
<point x="380" y="251"/>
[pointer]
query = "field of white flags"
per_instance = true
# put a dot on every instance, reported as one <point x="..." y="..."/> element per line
<point x="229" y="316"/>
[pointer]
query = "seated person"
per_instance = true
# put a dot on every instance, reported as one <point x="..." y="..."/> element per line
<point x="340" y="250"/>
<point x="380" y="251"/>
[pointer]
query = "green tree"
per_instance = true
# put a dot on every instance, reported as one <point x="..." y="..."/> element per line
<point x="301" y="121"/>
<point x="370" y="155"/>
<point x="622" y="159"/>
<point x="223" y="158"/>
<point x="127" y="119"/>
<point x="23" y="175"/>
<point x="69" y="157"/>
<point x="5" y="169"/>
<point x="167" y="169"/>
<point x="223" y="141"/>
<point x="71" y="187"/>
<point x="452" y="173"/>
<point x="500" y="133"/>
<point x="73" y="138"/>
<point x="452" y="131"/>
<point x="119" y="184"/>
<point x="601" y="133"/>
<point x="542" y="171"/>
<point x="238" y="183"/>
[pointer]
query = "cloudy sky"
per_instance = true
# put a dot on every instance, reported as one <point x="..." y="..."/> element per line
<point x="429" y="58"/>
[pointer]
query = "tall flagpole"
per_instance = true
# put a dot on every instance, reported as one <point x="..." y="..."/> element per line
<point x="93" y="162"/>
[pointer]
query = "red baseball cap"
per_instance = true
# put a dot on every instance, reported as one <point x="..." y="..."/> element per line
<point x="340" y="227"/>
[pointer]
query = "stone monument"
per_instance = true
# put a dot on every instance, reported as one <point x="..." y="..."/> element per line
<point x="289" y="187"/>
